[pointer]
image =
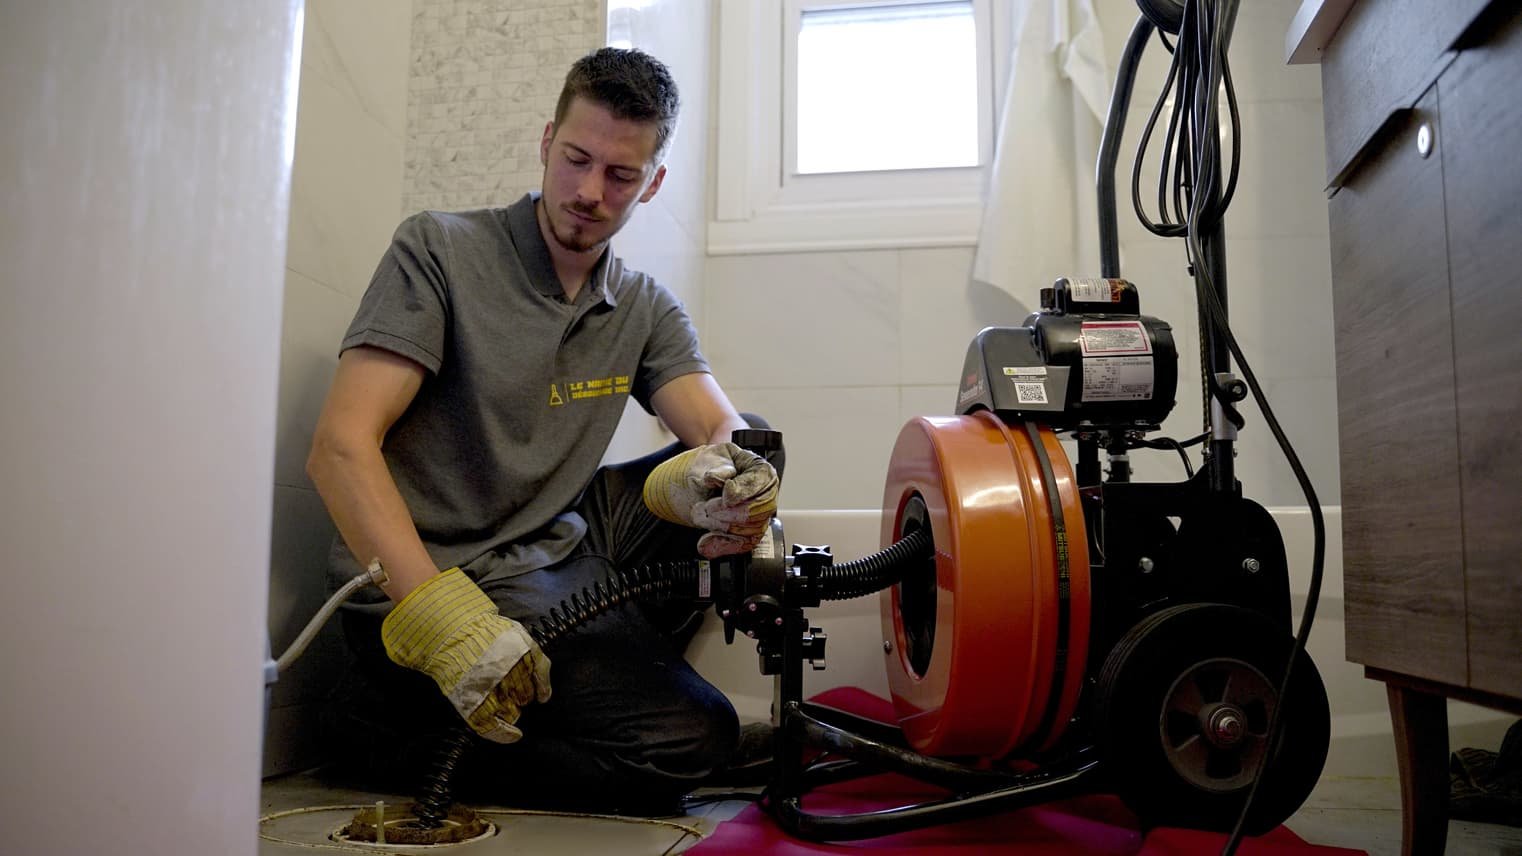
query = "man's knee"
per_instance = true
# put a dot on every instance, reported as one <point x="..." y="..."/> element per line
<point x="715" y="732"/>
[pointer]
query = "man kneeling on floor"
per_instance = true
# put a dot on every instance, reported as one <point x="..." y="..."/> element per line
<point x="477" y="391"/>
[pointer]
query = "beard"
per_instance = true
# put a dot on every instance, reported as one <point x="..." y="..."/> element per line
<point x="572" y="236"/>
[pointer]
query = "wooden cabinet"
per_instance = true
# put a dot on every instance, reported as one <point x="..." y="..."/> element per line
<point x="1482" y="172"/>
<point x="1397" y="425"/>
<point x="1423" y="102"/>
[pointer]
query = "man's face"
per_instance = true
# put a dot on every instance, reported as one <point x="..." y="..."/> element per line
<point x="597" y="167"/>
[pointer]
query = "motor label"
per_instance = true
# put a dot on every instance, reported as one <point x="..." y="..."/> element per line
<point x="1117" y="378"/>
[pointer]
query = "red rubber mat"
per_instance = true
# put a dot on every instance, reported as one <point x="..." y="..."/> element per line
<point x="1084" y="825"/>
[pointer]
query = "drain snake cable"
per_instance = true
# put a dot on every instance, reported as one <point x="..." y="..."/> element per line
<point x="843" y="581"/>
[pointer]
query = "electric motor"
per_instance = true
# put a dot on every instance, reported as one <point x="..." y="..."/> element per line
<point x="1087" y="358"/>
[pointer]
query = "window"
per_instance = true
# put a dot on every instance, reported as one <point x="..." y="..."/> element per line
<point x="845" y="125"/>
<point x="860" y="107"/>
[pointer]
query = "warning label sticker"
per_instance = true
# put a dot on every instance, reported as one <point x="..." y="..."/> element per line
<point x="1117" y="379"/>
<point x="1113" y="338"/>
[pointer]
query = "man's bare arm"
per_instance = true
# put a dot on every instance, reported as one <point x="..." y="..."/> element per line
<point x="696" y="409"/>
<point x="370" y="391"/>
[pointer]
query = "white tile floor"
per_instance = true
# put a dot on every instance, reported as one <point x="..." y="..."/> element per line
<point x="1356" y="813"/>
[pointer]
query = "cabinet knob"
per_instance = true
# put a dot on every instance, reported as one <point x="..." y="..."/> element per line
<point x="1424" y="139"/>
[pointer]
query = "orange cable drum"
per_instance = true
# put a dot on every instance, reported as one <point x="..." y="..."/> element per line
<point x="1076" y="546"/>
<point x="972" y="670"/>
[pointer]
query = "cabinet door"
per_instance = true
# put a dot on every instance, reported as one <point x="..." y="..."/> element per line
<point x="1482" y="124"/>
<point x="1402" y="547"/>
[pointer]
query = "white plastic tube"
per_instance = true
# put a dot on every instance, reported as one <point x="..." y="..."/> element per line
<point x="374" y="575"/>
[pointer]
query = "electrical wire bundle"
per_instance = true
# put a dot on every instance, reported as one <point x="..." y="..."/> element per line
<point x="1191" y="204"/>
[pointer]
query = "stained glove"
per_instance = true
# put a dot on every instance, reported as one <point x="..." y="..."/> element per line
<point x="485" y="664"/>
<point x="722" y="488"/>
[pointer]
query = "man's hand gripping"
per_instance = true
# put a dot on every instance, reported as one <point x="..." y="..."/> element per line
<point x="722" y="488"/>
<point x="485" y="664"/>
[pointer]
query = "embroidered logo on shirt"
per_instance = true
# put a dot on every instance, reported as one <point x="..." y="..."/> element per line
<point x="579" y="389"/>
<point x="555" y="399"/>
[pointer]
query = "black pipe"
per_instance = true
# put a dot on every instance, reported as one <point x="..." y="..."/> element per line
<point x="1109" y="147"/>
<point x="1030" y="788"/>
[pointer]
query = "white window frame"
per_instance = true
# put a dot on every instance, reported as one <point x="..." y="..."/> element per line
<point x="759" y="207"/>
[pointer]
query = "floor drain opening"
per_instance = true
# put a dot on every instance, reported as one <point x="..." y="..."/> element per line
<point x="400" y="826"/>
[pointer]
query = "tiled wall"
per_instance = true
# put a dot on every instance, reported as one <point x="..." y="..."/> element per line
<point x="345" y="201"/>
<point x="840" y="348"/>
<point x="484" y="80"/>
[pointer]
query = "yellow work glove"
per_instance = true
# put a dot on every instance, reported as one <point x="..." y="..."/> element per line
<point x="722" y="488"/>
<point x="486" y="665"/>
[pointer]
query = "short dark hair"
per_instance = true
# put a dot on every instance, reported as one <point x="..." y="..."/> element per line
<point x="630" y="84"/>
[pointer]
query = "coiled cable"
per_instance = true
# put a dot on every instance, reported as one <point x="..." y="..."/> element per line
<point x="855" y="578"/>
<point x="436" y="796"/>
<point x="870" y="574"/>
<point x="619" y="587"/>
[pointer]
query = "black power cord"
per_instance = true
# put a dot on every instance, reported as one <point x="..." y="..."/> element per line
<point x="1196" y="75"/>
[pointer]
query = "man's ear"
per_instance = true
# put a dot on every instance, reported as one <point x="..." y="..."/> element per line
<point x="544" y="143"/>
<point x="655" y="184"/>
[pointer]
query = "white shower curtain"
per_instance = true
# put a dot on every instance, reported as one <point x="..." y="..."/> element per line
<point x="1039" y="219"/>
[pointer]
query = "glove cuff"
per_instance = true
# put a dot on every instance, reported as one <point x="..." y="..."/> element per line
<point x="666" y="484"/>
<point x="432" y="617"/>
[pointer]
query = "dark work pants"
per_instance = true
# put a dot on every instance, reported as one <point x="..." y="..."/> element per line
<point x="629" y="727"/>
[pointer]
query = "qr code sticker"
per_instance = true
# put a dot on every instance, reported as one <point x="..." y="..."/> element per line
<point x="1030" y="393"/>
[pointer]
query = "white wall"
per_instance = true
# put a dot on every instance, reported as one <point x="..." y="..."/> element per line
<point x="144" y="156"/>
<point x="839" y="349"/>
<point x="346" y="199"/>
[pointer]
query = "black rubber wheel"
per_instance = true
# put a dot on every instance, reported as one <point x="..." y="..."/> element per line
<point x="1183" y="707"/>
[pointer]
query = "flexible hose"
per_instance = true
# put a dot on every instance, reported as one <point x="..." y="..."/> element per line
<point x="436" y="797"/>
<point x="847" y="580"/>
<point x="616" y="589"/>
<point x="869" y="574"/>
<point x="839" y="582"/>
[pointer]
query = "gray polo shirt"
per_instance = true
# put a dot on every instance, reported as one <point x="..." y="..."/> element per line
<point x="523" y="390"/>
